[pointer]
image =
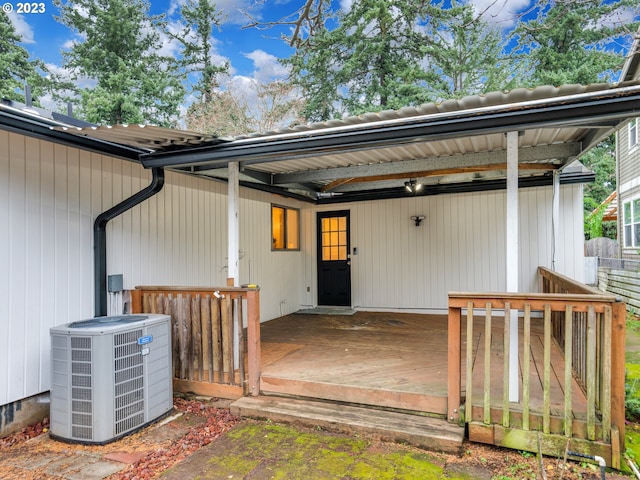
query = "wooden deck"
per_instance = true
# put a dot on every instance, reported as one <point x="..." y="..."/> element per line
<point x="392" y="360"/>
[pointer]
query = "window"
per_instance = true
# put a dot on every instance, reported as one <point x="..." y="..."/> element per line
<point x="285" y="228"/>
<point x="633" y="133"/>
<point x="334" y="238"/>
<point x="631" y="211"/>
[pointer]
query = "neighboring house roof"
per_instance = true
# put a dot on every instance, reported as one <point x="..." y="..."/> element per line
<point x="456" y="145"/>
<point x="610" y="207"/>
<point x="631" y="68"/>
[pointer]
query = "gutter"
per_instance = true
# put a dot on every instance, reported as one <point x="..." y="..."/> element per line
<point x="100" y="237"/>
<point x="33" y="125"/>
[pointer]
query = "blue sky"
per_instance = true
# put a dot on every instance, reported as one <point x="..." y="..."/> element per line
<point x="45" y="38"/>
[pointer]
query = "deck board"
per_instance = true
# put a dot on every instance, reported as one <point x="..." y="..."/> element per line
<point x="395" y="353"/>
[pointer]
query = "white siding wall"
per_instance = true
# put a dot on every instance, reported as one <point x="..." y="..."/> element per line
<point x="49" y="198"/>
<point x="459" y="246"/>
<point x="51" y="194"/>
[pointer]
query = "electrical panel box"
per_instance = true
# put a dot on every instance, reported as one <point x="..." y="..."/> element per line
<point x="114" y="283"/>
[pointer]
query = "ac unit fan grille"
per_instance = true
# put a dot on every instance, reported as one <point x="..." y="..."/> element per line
<point x="129" y="381"/>
<point x="81" y="393"/>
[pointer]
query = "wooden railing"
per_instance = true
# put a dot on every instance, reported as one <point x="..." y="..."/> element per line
<point x="591" y="352"/>
<point x="552" y="282"/>
<point x="208" y="344"/>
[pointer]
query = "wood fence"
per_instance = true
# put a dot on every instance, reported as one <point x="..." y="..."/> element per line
<point x="588" y="382"/>
<point x="625" y="283"/>
<point x="208" y="344"/>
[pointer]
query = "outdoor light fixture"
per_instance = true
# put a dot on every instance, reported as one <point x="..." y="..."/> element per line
<point x="412" y="186"/>
<point x="417" y="219"/>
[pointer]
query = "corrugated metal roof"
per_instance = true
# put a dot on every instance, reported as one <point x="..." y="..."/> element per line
<point x="147" y="137"/>
<point x="518" y="98"/>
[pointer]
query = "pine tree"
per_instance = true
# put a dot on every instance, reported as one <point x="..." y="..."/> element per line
<point x="388" y="54"/>
<point x="571" y="41"/>
<point x="117" y="53"/>
<point x="199" y="17"/>
<point x="16" y="68"/>
<point x="371" y="61"/>
<point x="467" y="53"/>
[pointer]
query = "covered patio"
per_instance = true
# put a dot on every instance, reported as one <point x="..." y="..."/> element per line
<point x="454" y="369"/>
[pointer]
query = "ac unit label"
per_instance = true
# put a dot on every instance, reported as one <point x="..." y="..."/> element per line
<point x="146" y="339"/>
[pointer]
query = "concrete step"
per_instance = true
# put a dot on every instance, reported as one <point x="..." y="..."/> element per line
<point x="424" y="432"/>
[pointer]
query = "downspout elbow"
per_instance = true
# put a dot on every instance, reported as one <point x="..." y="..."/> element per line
<point x="100" y="236"/>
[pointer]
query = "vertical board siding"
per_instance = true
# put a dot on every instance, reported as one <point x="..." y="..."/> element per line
<point x="458" y="247"/>
<point x="49" y="197"/>
<point x="51" y="194"/>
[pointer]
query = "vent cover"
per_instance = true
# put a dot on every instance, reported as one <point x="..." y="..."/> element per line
<point x="129" y="385"/>
<point x="81" y="393"/>
<point x="101" y="376"/>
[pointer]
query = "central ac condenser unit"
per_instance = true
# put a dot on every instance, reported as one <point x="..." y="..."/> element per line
<point x="109" y="376"/>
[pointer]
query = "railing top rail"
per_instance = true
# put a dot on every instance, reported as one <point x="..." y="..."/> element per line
<point x="536" y="296"/>
<point x="570" y="284"/>
<point x="195" y="289"/>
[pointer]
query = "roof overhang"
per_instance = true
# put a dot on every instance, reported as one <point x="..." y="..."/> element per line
<point x="453" y="146"/>
<point x="458" y="145"/>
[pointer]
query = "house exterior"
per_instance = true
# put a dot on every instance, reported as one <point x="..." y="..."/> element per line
<point x="628" y="163"/>
<point x="628" y="175"/>
<point x="270" y="209"/>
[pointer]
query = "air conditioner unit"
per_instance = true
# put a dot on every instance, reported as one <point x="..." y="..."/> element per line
<point x="109" y="376"/>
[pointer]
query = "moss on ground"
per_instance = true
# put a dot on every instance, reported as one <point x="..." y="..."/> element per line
<point x="282" y="452"/>
<point x="632" y="400"/>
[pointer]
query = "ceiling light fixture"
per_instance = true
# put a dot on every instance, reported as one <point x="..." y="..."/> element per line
<point x="413" y="186"/>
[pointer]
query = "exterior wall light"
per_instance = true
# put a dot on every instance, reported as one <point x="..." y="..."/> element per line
<point x="417" y="219"/>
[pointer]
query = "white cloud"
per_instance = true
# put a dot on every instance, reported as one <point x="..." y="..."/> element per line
<point x="267" y="67"/>
<point x="22" y="28"/>
<point x="345" y="5"/>
<point x="503" y="13"/>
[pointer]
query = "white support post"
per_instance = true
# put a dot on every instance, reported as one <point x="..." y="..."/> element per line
<point x="555" y="219"/>
<point x="233" y="252"/>
<point x="512" y="258"/>
<point x="233" y="243"/>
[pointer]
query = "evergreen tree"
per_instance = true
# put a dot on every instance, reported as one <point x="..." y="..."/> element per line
<point x="387" y="54"/>
<point x="371" y="61"/>
<point x="569" y="41"/>
<point x="16" y="69"/>
<point x="467" y="54"/>
<point x="198" y="19"/>
<point x="118" y="53"/>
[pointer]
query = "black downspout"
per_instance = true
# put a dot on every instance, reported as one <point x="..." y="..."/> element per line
<point x="100" y="237"/>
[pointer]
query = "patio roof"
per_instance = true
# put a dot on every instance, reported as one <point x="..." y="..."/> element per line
<point x="452" y="146"/>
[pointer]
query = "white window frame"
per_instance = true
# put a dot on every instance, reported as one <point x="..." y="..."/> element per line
<point x="633" y="133"/>
<point x="631" y="223"/>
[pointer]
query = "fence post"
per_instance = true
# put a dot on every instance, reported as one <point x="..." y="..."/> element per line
<point x="136" y="301"/>
<point x="618" y="325"/>
<point x="454" y="377"/>
<point x="253" y="341"/>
